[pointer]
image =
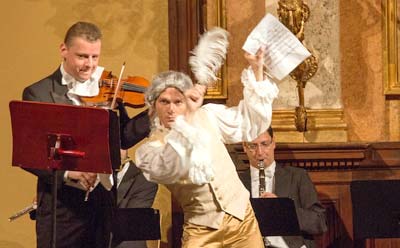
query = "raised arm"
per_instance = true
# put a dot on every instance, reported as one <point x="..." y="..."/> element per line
<point x="257" y="63"/>
<point x="253" y="114"/>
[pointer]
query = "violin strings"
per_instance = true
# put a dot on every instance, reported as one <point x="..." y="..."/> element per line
<point x="127" y="86"/>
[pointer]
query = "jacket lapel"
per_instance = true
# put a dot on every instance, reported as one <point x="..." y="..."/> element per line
<point x="62" y="99"/>
<point x="282" y="177"/>
<point x="127" y="181"/>
<point x="59" y="91"/>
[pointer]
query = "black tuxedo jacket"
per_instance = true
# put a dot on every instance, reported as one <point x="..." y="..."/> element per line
<point x="49" y="90"/>
<point x="295" y="183"/>
<point x="79" y="223"/>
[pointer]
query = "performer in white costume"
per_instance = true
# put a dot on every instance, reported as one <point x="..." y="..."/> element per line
<point x="186" y="152"/>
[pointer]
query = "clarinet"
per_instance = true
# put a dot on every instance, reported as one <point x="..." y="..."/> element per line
<point x="261" y="189"/>
<point x="261" y="168"/>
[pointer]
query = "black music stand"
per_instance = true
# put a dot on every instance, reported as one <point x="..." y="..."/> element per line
<point x="376" y="209"/>
<point x="64" y="137"/>
<point x="276" y="216"/>
<point x="136" y="224"/>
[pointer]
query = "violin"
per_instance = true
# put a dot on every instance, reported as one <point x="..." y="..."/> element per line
<point x="130" y="92"/>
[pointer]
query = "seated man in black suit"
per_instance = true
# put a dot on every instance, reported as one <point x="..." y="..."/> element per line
<point x="284" y="181"/>
<point x="134" y="191"/>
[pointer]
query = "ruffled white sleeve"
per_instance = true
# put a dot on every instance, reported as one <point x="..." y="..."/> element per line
<point x="179" y="158"/>
<point x="251" y="116"/>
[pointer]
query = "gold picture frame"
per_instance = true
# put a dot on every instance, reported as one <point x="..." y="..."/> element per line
<point x="391" y="46"/>
<point x="214" y="14"/>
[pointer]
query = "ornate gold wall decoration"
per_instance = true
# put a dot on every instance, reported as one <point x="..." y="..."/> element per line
<point x="293" y="14"/>
<point x="391" y="59"/>
<point x="214" y="15"/>
<point x="325" y="125"/>
<point x="391" y="65"/>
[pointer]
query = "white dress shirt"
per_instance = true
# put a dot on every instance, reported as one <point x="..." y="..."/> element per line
<point x="276" y="241"/>
<point x="76" y="89"/>
<point x="122" y="172"/>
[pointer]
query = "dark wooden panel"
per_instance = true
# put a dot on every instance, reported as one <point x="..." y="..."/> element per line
<point x="185" y="26"/>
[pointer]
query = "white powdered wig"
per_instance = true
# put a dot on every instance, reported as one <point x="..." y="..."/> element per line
<point x="166" y="79"/>
<point x="209" y="55"/>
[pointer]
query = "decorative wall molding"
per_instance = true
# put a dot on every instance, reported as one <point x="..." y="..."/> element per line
<point x="329" y="156"/>
<point x="318" y="119"/>
<point x="390" y="48"/>
<point x="324" y="125"/>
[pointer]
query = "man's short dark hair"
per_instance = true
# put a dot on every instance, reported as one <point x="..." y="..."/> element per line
<point x="86" y="30"/>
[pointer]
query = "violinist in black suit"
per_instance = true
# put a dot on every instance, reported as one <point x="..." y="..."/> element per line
<point x="79" y="223"/>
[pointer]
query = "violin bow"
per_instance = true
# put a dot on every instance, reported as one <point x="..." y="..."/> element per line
<point x="118" y="86"/>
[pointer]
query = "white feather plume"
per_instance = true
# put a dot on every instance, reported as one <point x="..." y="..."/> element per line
<point x="209" y="55"/>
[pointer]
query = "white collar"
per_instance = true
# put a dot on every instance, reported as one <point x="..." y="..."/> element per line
<point x="157" y="125"/>
<point x="88" y="88"/>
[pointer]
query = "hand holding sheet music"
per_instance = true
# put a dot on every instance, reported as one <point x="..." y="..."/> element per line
<point x="283" y="50"/>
